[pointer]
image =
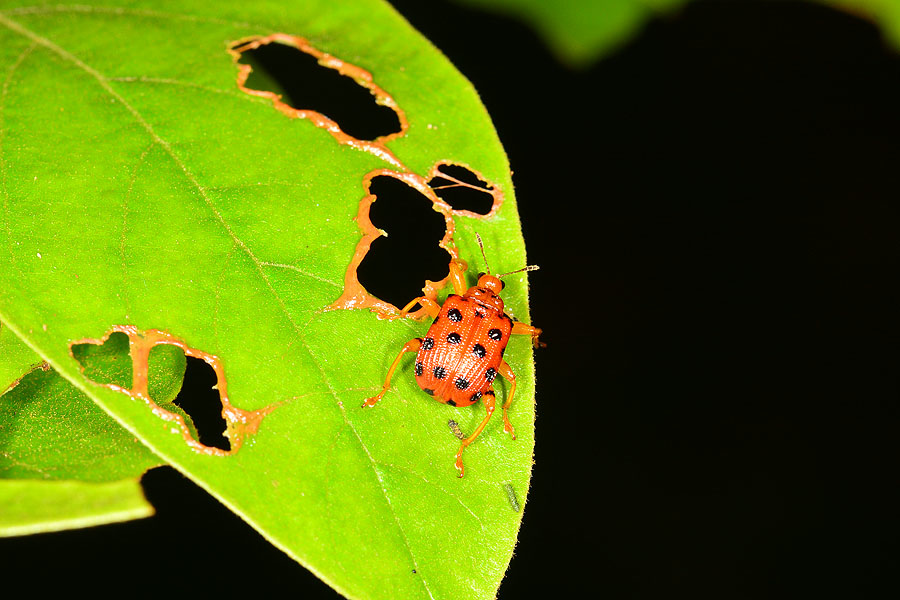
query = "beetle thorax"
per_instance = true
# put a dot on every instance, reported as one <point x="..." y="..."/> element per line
<point x="487" y="292"/>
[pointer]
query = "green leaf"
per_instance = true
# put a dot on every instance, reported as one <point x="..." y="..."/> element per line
<point x="581" y="31"/>
<point x="170" y="200"/>
<point x="16" y="359"/>
<point x="41" y="506"/>
<point x="51" y="430"/>
<point x="64" y="463"/>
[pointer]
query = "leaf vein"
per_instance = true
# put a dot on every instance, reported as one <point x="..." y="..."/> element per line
<point x="218" y="294"/>
<point x="199" y="86"/>
<point x="431" y="483"/>
<point x="301" y="271"/>
<point x="130" y="12"/>
<point x="373" y="463"/>
<point x="123" y="239"/>
<point x="22" y="465"/>
<point x="3" y="189"/>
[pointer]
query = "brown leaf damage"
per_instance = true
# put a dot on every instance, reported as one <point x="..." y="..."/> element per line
<point x="356" y="296"/>
<point x="358" y="74"/>
<point x="43" y="366"/>
<point x="461" y="179"/>
<point x="239" y="423"/>
<point x="454" y="188"/>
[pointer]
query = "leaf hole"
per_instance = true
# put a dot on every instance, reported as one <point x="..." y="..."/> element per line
<point x="200" y="400"/>
<point x="306" y="81"/>
<point x="463" y="189"/>
<point x="181" y="385"/>
<point x="397" y="266"/>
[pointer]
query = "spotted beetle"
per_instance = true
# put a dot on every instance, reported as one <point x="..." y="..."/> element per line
<point x="462" y="353"/>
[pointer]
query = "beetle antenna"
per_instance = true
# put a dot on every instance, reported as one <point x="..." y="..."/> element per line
<point x="487" y="267"/>
<point x="528" y="268"/>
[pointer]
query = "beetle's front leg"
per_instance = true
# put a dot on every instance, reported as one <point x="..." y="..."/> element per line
<point x="458" y="277"/>
<point x="431" y="307"/>
<point x="520" y="328"/>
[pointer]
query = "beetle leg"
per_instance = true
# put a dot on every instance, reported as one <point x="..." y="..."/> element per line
<point x="520" y="328"/>
<point x="412" y="345"/>
<point x="457" y="279"/>
<point x="508" y="375"/>
<point x="488" y="400"/>
<point x="431" y="307"/>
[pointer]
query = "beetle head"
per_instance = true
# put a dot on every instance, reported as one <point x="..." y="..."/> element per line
<point x="490" y="282"/>
<point x="489" y="286"/>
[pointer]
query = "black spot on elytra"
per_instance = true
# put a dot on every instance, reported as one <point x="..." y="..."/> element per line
<point x="454" y="338"/>
<point x="454" y="315"/>
<point x="478" y="350"/>
<point x="440" y="372"/>
<point x="476" y="396"/>
<point x="461" y="383"/>
<point x="451" y="402"/>
<point x="415" y="231"/>
<point x="495" y="335"/>
<point x="428" y="343"/>
<point x="462" y="189"/>
<point x="304" y="84"/>
<point x="479" y="314"/>
<point x="420" y="368"/>
<point x="490" y="374"/>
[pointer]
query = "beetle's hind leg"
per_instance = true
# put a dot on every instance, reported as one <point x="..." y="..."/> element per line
<point x="488" y="399"/>
<point x="412" y="345"/>
<point x="506" y="371"/>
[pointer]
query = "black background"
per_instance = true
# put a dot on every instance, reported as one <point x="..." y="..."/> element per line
<point x="714" y="208"/>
